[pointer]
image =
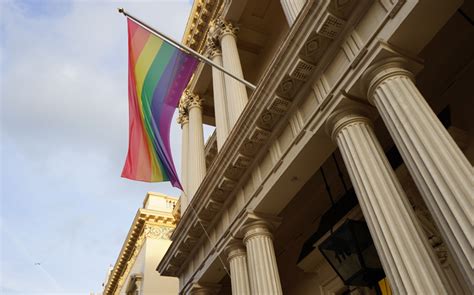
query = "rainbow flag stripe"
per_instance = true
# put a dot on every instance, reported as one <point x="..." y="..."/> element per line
<point x="158" y="74"/>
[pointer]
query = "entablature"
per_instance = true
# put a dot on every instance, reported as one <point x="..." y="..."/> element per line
<point x="293" y="98"/>
<point x="282" y="85"/>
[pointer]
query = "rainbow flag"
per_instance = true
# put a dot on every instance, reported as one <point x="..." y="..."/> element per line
<point x="157" y="76"/>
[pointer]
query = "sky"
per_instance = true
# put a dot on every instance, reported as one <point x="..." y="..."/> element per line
<point x="65" y="210"/>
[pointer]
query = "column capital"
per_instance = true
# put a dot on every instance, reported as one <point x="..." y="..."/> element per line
<point x="183" y="115"/>
<point x="183" y="118"/>
<point x="383" y="70"/>
<point x="235" y="249"/>
<point x="347" y="115"/>
<point x="221" y="27"/>
<point x="256" y="228"/>
<point x="213" y="48"/>
<point x="193" y="100"/>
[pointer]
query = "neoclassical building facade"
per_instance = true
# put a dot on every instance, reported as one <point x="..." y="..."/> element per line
<point x="361" y="118"/>
<point x="146" y="243"/>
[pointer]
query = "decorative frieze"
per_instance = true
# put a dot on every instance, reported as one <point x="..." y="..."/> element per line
<point x="227" y="184"/>
<point x="279" y="105"/>
<point x="331" y="26"/>
<point x="233" y="172"/>
<point x="158" y="232"/>
<point x="259" y="135"/>
<point x="267" y="120"/>
<point x="218" y="195"/>
<point x="264" y="114"/>
<point x="242" y="161"/>
<point x="301" y="70"/>
<point x="249" y="148"/>
<point x="314" y="48"/>
<point x="288" y="88"/>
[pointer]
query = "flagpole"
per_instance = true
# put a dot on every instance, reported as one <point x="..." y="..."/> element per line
<point x="184" y="48"/>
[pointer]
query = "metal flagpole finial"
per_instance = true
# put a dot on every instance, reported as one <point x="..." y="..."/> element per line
<point x="121" y="10"/>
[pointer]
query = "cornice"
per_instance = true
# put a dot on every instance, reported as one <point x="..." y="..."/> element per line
<point x="144" y="226"/>
<point x="282" y="86"/>
<point x="202" y="12"/>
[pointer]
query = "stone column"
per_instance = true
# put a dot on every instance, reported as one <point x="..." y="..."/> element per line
<point x="291" y="9"/>
<point x="439" y="168"/>
<point x="236" y="93"/>
<point x="183" y="120"/>
<point x="405" y="254"/>
<point x="239" y="275"/>
<point x="220" y="104"/>
<point x="263" y="270"/>
<point x="196" y="157"/>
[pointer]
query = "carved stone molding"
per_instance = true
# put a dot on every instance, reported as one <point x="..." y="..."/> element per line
<point x="183" y="111"/>
<point x="158" y="232"/>
<point x="202" y="13"/>
<point x="183" y="118"/>
<point x="213" y="48"/>
<point x="224" y="27"/>
<point x="247" y="138"/>
<point x="288" y="88"/>
<point x="314" y="48"/>
<point x="194" y="100"/>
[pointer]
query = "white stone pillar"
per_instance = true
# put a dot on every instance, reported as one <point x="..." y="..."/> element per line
<point x="239" y="275"/>
<point x="236" y="93"/>
<point x="183" y="120"/>
<point x="196" y="156"/>
<point x="220" y="104"/>
<point x="291" y="9"/>
<point x="263" y="269"/>
<point x="407" y="258"/>
<point x="439" y="168"/>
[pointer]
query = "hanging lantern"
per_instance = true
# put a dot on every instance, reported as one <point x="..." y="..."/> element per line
<point x="351" y="253"/>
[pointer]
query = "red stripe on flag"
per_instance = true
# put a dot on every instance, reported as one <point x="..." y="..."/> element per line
<point x="138" y="36"/>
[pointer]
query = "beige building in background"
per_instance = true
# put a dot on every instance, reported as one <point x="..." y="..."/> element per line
<point x="362" y="111"/>
<point x="146" y="243"/>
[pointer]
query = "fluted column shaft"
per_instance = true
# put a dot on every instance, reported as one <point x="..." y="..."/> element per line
<point x="220" y="104"/>
<point x="439" y="168"/>
<point x="263" y="269"/>
<point x="184" y="121"/>
<point x="407" y="258"/>
<point x="196" y="156"/>
<point x="239" y="275"/>
<point x="291" y="9"/>
<point x="236" y="93"/>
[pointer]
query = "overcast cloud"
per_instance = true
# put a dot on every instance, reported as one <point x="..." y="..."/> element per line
<point x="64" y="120"/>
